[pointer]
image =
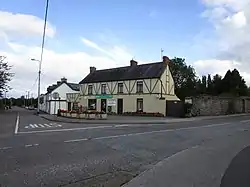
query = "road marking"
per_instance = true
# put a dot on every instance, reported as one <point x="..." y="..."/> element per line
<point x="36" y="125"/>
<point x="145" y="133"/>
<point x="4" y="148"/>
<point x="245" y="121"/>
<point x="28" y="145"/>
<point x="61" y="130"/>
<point x="77" y="140"/>
<point x="40" y="125"/>
<point x="17" y="124"/>
<point x="124" y="125"/>
<point x="32" y="126"/>
<point x="46" y="125"/>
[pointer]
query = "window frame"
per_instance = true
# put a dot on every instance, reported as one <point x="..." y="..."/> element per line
<point x="120" y="88"/>
<point x="90" y="93"/>
<point x="103" y="86"/>
<point x="138" y="84"/>
<point x="138" y="108"/>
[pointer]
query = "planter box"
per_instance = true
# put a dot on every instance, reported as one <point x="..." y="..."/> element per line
<point x="68" y="115"/>
<point x="73" y="115"/>
<point x="82" y="116"/>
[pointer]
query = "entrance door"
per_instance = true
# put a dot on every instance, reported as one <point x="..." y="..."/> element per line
<point x="119" y="106"/>
<point x="103" y="105"/>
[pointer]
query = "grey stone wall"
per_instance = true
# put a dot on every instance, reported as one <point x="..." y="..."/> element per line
<point x="216" y="105"/>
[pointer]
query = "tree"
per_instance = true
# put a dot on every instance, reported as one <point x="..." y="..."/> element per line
<point x="209" y="85"/>
<point x="216" y="85"/>
<point x="5" y="75"/>
<point x="184" y="78"/>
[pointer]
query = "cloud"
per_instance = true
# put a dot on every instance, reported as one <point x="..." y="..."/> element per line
<point x="23" y="25"/>
<point x="230" y="21"/>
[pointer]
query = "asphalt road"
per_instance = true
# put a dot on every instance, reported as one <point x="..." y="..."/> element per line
<point x="42" y="153"/>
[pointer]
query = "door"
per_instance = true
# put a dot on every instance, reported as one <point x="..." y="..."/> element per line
<point x="119" y="106"/>
<point x="103" y="105"/>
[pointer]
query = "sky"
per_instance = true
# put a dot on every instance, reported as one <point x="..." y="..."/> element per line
<point x="212" y="35"/>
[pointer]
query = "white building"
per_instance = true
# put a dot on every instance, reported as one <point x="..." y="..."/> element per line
<point x="50" y="104"/>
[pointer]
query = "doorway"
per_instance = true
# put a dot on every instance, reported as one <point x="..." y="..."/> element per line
<point x="119" y="106"/>
<point x="103" y="105"/>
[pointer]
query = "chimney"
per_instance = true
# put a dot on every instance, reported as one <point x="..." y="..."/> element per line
<point x="63" y="79"/>
<point x="133" y="63"/>
<point x="166" y="60"/>
<point x="92" y="69"/>
<point x="58" y="82"/>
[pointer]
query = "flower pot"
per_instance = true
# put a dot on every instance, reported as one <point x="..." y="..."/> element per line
<point x="82" y="116"/>
<point x="104" y="116"/>
<point x="73" y="115"/>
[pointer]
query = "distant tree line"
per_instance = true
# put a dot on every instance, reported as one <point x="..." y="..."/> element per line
<point x="187" y="82"/>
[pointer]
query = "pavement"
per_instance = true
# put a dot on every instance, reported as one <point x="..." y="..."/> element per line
<point x="38" y="152"/>
<point x="131" y="119"/>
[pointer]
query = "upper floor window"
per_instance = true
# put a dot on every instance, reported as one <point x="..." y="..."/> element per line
<point x="139" y="87"/>
<point x="103" y="90"/>
<point x="120" y="88"/>
<point x="90" y="89"/>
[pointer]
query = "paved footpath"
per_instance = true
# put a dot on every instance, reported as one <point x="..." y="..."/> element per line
<point x="133" y="119"/>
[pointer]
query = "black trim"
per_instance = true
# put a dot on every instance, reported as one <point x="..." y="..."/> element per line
<point x="133" y="86"/>
<point x="155" y="86"/>
<point x="126" y="87"/>
<point x="146" y="85"/>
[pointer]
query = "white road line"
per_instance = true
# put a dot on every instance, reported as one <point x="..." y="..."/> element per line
<point x="77" y="140"/>
<point x="61" y="130"/>
<point x="28" y="145"/>
<point x="40" y="125"/>
<point x="17" y="124"/>
<point x="32" y="126"/>
<point x="35" y="144"/>
<point x="36" y="125"/>
<point x="58" y="125"/>
<point x="145" y="133"/>
<point x="124" y="125"/>
<point x="4" y="148"/>
<point x="245" y="121"/>
<point x="46" y="125"/>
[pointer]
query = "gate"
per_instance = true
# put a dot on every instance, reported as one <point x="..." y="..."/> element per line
<point x="175" y="108"/>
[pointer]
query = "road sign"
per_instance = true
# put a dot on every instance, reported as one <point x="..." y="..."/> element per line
<point x="111" y="102"/>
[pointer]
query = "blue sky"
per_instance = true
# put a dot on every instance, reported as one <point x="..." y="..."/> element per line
<point x="212" y="35"/>
<point x="143" y="26"/>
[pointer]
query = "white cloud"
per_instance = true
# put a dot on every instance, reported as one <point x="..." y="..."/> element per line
<point x="230" y="21"/>
<point x="23" y="25"/>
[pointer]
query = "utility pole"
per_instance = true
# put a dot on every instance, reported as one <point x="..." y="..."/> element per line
<point x="41" y="59"/>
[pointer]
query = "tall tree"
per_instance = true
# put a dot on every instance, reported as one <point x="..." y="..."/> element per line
<point x="5" y="75"/>
<point x="184" y="78"/>
<point x="209" y="85"/>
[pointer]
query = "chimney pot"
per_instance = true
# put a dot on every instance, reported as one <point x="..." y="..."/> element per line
<point x="92" y="69"/>
<point x="63" y="79"/>
<point x="165" y="59"/>
<point x="133" y="63"/>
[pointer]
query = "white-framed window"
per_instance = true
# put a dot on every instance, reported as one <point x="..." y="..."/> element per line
<point x="120" y="88"/>
<point x="103" y="89"/>
<point x="139" y="87"/>
<point x="90" y="89"/>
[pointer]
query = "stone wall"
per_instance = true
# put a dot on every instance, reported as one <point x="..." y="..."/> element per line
<point x="216" y="105"/>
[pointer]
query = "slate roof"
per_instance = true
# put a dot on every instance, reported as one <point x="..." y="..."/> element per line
<point x="143" y="71"/>
<point x="73" y="86"/>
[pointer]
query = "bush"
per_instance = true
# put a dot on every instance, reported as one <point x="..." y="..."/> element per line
<point x="187" y="108"/>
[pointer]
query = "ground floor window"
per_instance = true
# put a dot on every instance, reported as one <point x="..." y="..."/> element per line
<point x="75" y="106"/>
<point x="139" y="105"/>
<point x="92" y="104"/>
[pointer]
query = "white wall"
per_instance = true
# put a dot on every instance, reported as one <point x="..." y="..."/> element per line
<point x="52" y="106"/>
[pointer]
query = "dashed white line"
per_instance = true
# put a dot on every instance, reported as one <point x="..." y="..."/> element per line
<point x="40" y="125"/>
<point x="77" y="140"/>
<point x="17" y="124"/>
<point x="245" y="121"/>
<point x="145" y="133"/>
<point x="4" y="148"/>
<point x="46" y="125"/>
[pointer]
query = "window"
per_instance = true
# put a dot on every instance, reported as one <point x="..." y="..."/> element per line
<point x="139" y="105"/>
<point x="92" y="104"/>
<point x="69" y="105"/>
<point x="120" y="88"/>
<point x="103" y="91"/>
<point x="90" y="89"/>
<point x="75" y="106"/>
<point x="139" y="87"/>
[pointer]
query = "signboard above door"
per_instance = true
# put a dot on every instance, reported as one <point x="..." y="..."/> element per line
<point x="104" y="96"/>
<point x="111" y="102"/>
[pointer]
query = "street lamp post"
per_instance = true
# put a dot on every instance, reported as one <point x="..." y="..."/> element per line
<point x="41" y="59"/>
<point x="39" y="83"/>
